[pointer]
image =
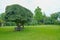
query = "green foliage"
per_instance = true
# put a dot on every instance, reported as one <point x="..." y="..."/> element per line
<point x="18" y="14"/>
<point x="55" y="17"/>
<point x="2" y="15"/>
<point x="58" y="13"/>
<point x="48" y="20"/>
<point x="38" y="15"/>
<point x="10" y="24"/>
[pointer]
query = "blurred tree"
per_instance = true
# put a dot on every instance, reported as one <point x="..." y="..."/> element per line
<point x="2" y="15"/>
<point x="18" y="14"/>
<point x="38" y="15"/>
<point x="55" y="16"/>
<point x="58" y="13"/>
<point x="48" y="20"/>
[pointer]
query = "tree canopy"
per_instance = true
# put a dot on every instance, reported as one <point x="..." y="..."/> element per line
<point x="18" y="14"/>
<point x="38" y="15"/>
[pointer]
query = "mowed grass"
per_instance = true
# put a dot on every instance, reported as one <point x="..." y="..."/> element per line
<point x="38" y="32"/>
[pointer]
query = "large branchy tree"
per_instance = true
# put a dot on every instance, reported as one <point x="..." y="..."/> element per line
<point x="18" y="14"/>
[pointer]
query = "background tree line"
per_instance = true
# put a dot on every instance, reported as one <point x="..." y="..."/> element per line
<point x="39" y="17"/>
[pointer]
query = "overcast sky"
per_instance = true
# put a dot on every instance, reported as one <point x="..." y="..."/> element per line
<point x="47" y="6"/>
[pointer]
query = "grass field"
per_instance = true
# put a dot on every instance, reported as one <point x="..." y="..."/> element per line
<point x="38" y="32"/>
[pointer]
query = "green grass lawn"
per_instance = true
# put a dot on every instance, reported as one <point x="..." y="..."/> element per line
<point x="38" y="32"/>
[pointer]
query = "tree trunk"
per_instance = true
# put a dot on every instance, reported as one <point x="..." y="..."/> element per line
<point x="19" y="27"/>
<point x="0" y="24"/>
<point x="22" y="25"/>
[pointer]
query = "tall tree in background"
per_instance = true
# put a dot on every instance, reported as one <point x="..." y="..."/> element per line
<point x="38" y="15"/>
<point x="18" y="14"/>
